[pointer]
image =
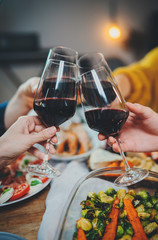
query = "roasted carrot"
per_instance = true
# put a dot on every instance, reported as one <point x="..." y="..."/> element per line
<point x="114" y="164"/>
<point x="129" y="163"/>
<point x="110" y="230"/>
<point x="81" y="234"/>
<point x="133" y="218"/>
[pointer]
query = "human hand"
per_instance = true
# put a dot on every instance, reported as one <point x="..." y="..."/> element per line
<point x="21" y="137"/>
<point x="22" y="101"/>
<point x="140" y="132"/>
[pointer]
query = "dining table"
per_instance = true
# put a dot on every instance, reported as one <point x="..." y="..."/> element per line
<point x="24" y="218"/>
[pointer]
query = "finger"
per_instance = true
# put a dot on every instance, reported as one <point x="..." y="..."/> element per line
<point x="39" y="128"/>
<point x="36" y="152"/>
<point x="54" y="140"/>
<point x="52" y="149"/>
<point x="44" y="135"/>
<point x="101" y="137"/>
<point x="140" y="110"/>
<point x="111" y="141"/>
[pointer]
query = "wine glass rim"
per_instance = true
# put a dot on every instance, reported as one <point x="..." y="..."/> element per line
<point x="90" y="54"/>
<point x="95" y="68"/>
<point x="68" y="48"/>
<point x="57" y="62"/>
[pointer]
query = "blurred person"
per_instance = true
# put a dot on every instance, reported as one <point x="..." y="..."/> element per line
<point x="21" y="137"/>
<point x="138" y="82"/>
<point x="140" y="132"/>
<point x="20" y="104"/>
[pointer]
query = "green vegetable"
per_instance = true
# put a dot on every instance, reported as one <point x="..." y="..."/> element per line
<point x="110" y="192"/>
<point x="140" y="208"/>
<point x="92" y="195"/>
<point x="120" y="232"/>
<point x="121" y="193"/>
<point x="156" y="218"/>
<point x="84" y="223"/>
<point x="145" y="223"/>
<point x="148" y="204"/>
<point x="88" y="213"/>
<point x="143" y="195"/>
<point x="35" y="182"/>
<point x="129" y="230"/>
<point x="150" y="228"/>
<point x="156" y="206"/>
<point x="143" y="215"/>
<point x="154" y="200"/>
<point x="132" y="192"/>
<point x="155" y="237"/>
<point x="123" y="214"/>
<point x="26" y="162"/>
<point x="136" y="203"/>
<point x="6" y="190"/>
<point x="130" y="197"/>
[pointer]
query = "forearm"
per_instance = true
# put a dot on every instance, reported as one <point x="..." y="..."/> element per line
<point x="16" y="107"/>
<point x="4" y="149"/>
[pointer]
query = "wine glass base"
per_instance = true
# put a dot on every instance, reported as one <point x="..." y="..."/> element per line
<point x="131" y="177"/>
<point x="43" y="170"/>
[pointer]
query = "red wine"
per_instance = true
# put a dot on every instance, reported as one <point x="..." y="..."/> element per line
<point x="106" y="121"/>
<point x="54" y="111"/>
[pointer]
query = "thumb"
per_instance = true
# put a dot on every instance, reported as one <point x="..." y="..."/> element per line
<point x="44" y="135"/>
<point x="140" y="110"/>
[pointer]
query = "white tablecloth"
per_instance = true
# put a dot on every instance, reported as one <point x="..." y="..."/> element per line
<point x="57" y="197"/>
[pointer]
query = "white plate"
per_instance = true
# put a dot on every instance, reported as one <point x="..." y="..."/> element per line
<point x="81" y="157"/>
<point x="10" y="236"/>
<point x="27" y="195"/>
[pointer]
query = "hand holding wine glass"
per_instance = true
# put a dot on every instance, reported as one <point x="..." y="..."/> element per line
<point x="106" y="111"/>
<point x="55" y="102"/>
<point x="140" y="132"/>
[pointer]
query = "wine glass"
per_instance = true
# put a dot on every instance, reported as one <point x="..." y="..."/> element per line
<point x="106" y="112"/>
<point x="63" y="53"/>
<point x="55" y="102"/>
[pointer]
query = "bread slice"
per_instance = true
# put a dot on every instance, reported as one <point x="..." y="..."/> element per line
<point x="102" y="158"/>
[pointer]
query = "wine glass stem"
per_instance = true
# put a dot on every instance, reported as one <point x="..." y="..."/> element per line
<point x="127" y="167"/>
<point x="45" y="159"/>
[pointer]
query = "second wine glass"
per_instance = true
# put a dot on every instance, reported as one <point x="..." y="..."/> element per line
<point x="106" y="112"/>
<point x="55" y="102"/>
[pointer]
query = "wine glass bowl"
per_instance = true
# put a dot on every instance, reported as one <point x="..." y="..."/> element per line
<point x="105" y="109"/>
<point x="55" y="102"/>
<point x="63" y="53"/>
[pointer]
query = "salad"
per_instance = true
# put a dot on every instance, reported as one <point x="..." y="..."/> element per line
<point x="122" y="215"/>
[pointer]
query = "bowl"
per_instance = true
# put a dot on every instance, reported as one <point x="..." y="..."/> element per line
<point x="96" y="181"/>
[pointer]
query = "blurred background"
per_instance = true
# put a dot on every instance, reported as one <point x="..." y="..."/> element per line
<point x="124" y="31"/>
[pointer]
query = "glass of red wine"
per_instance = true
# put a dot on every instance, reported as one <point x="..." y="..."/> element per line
<point x="106" y="111"/>
<point x="55" y="102"/>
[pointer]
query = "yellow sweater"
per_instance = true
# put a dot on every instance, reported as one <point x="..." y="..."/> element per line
<point x="144" y="80"/>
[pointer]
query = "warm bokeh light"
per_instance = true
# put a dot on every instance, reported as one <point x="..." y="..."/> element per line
<point x="114" y="32"/>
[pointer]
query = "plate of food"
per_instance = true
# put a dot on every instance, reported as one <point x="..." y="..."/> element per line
<point x="97" y="209"/>
<point x="102" y="158"/>
<point x="78" y="143"/>
<point x="16" y="184"/>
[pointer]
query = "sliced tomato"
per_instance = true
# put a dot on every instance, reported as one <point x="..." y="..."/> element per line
<point x="20" y="190"/>
<point x="21" y="156"/>
<point x="43" y="179"/>
<point x="38" y="161"/>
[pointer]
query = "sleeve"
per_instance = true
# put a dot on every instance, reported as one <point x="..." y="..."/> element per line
<point x="143" y="76"/>
<point x="2" y="111"/>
